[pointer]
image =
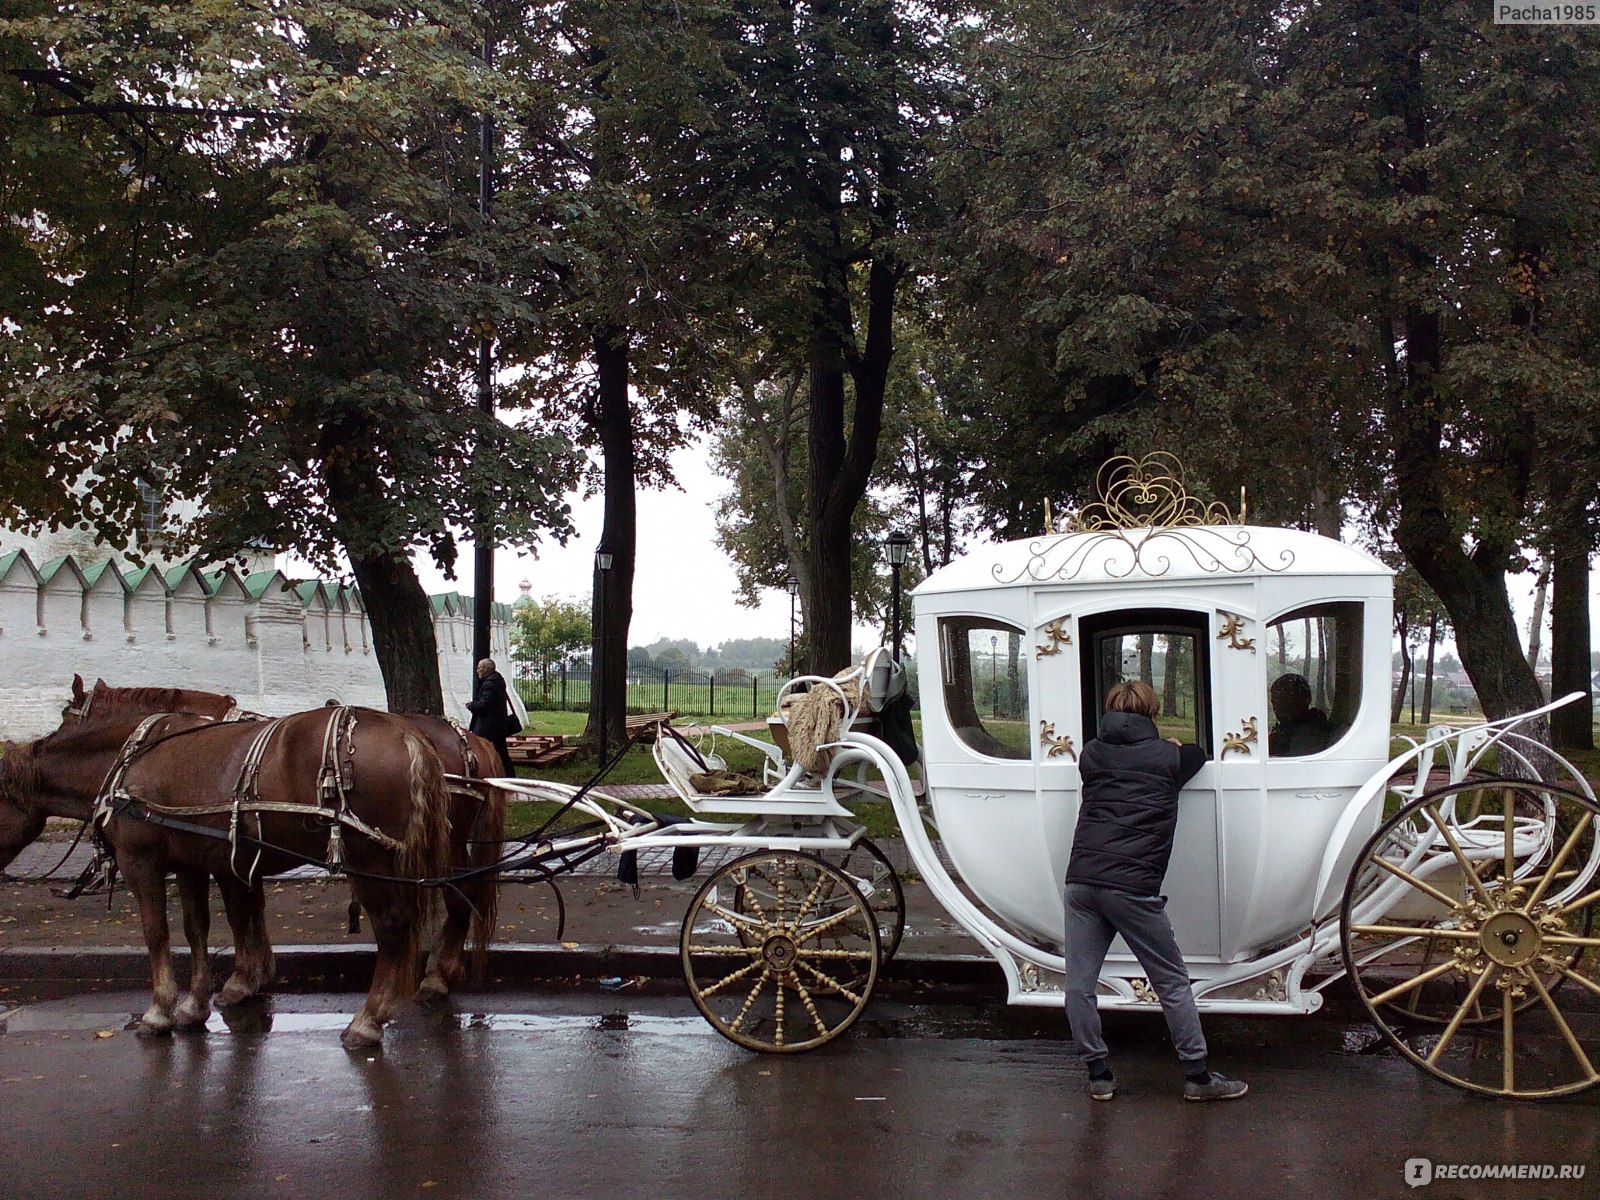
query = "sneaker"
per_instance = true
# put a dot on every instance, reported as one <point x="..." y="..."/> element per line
<point x="1102" y="1089"/>
<point x="1219" y="1087"/>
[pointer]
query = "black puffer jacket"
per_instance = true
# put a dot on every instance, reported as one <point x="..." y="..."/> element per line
<point x="1131" y="777"/>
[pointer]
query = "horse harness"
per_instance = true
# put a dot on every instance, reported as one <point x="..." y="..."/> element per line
<point x="335" y="778"/>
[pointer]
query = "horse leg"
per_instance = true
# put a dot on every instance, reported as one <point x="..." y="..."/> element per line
<point x="147" y="882"/>
<point x="392" y="911"/>
<point x="253" y="967"/>
<point x="447" y="961"/>
<point x="194" y="889"/>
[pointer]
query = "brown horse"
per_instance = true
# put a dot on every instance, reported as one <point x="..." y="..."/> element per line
<point x="477" y="837"/>
<point x="240" y="800"/>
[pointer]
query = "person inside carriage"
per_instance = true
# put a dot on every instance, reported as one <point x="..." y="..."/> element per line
<point x="1120" y="851"/>
<point x="1301" y="729"/>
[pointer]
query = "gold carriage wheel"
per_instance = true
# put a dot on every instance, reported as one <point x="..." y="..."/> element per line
<point x="875" y="877"/>
<point x="1437" y="948"/>
<point x="790" y="965"/>
<point x="1503" y="872"/>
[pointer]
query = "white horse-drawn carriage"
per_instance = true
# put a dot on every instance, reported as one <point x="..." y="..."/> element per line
<point x="1453" y="884"/>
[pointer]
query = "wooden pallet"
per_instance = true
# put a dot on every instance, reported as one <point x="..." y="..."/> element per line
<point x="533" y="749"/>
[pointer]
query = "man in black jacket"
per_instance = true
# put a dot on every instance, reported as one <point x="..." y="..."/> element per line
<point x="1131" y="779"/>
<point x="491" y="710"/>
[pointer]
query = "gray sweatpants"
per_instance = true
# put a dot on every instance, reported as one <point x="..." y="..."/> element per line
<point x="1095" y="915"/>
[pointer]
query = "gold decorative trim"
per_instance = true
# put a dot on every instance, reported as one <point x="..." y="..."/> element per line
<point x="1057" y="637"/>
<point x="1058" y="745"/>
<point x="1232" y="623"/>
<point x="1240" y="741"/>
<point x="1144" y="493"/>
<point x="1143" y="992"/>
<point x="1143" y="520"/>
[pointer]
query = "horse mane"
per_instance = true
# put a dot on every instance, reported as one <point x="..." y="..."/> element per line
<point x="115" y="701"/>
<point x="19" y="776"/>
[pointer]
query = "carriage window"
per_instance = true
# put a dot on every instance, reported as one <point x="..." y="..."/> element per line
<point x="985" y="673"/>
<point x="1313" y="677"/>
<point x="1166" y="648"/>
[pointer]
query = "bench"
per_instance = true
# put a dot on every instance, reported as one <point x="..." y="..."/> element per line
<point x="642" y="726"/>
<point x="539" y="750"/>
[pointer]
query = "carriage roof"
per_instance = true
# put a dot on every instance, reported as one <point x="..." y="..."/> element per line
<point x="1137" y="557"/>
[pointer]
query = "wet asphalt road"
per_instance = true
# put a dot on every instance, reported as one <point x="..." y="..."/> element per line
<point x="613" y="1095"/>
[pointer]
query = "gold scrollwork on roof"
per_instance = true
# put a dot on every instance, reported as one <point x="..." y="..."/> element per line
<point x="1056" y="636"/>
<point x="1232" y="623"/>
<point x="1144" y="493"/>
<point x="1240" y="741"/>
<point x="1058" y="745"/>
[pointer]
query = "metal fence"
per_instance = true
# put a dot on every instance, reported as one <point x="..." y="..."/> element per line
<point x="731" y="693"/>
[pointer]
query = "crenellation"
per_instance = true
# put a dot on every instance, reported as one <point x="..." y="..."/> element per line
<point x="277" y="645"/>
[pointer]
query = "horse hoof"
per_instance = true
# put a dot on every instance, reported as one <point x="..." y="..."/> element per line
<point x="190" y="1015"/>
<point x="154" y="1027"/>
<point x="233" y="993"/>
<point x="358" y="1037"/>
<point x="433" y="990"/>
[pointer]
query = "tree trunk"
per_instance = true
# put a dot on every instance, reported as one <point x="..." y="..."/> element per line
<point x="1571" y="726"/>
<point x="1427" y="676"/>
<point x="1541" y="593"/>
<point x="612" y="419"/>
<point x="402" y="632"/>
<point x="1398" y="707"/>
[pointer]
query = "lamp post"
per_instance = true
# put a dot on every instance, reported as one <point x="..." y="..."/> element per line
<point x="994" y="674"/>
<point x="597" y="676"/>
<point x="899" y="544"/>
<point x="794" y="590"/>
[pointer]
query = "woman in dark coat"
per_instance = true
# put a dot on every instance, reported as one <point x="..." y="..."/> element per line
<point x="491" y="710"/>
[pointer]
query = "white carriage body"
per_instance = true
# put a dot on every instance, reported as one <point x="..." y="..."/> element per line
<point x="1224" y="607"/>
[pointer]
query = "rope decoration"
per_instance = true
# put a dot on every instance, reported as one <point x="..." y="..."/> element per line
<point x="815" y="720"/>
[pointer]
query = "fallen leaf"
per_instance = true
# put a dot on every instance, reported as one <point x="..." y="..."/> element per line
<point x="105" y="1033"/>
<point x="569" y="945"/>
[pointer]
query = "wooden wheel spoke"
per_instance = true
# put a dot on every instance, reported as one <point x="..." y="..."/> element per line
<point x="1409" y="931"/>
<point x="821" y="927"/>
<point x="749" y="1002"/>
<point x="1582" y="980"/>
<point x="726" y="950"/>
<point x="1552" y="873"/>
<point x="741" y="973"/>
<point x="817" y="1022"/>
<point x="1461" y="858"/>
<point x="1467" y="1006"/>
<point x="738" y="920"/>
<point x="1421" y="885"/>
<point x="828" y="981"/>
<point x="1416" y="981"/>
<point x="1509" y="806"/>
<point x="1561" y="1023"/>
<point x="1508" y="1043"/>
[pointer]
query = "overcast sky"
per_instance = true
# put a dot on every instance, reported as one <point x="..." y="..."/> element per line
<point x="684" y="586"/>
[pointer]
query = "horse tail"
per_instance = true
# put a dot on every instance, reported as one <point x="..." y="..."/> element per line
<point x="425" y="850"/>
<point x="488" y="845"/>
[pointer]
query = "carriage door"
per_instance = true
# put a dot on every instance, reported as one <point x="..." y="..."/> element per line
<point x="1170" y="649"/>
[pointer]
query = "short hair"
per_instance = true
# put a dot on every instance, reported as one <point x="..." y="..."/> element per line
<point x="1133" y="696"/>
<point x="1291" y="689"/>
<point x="486" y="662"/>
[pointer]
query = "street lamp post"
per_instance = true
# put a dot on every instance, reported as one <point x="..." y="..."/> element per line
<point x="602" y="568"/>
<point x="994" y="674"/>
<point x="794" y="591"/>
<point x="899" y="544"/>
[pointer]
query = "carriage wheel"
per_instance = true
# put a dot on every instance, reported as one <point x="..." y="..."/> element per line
<point x="1503" y="873"/>
<point x="780" y="951"/>
<point x="875" y="877"/>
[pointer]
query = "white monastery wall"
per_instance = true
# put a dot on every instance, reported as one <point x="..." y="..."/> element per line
<point x="255" y="639"/>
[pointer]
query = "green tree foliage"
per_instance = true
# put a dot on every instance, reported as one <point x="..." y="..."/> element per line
<point x="545" y="632"/>
<point x="1342" y="252"/>
<point x="247" y="264"/>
